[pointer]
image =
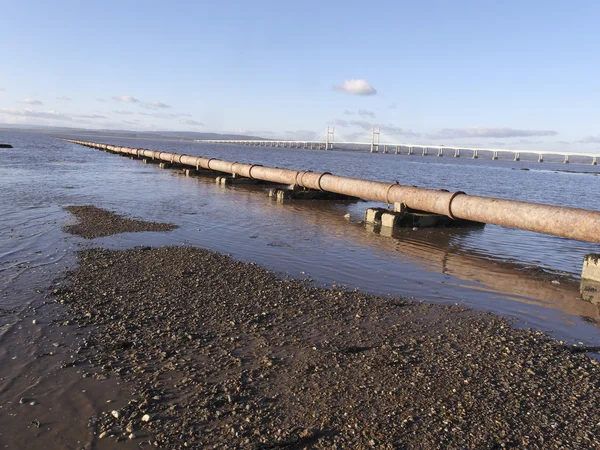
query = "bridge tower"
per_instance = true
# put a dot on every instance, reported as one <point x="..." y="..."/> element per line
<point x="375" y="139"/>
<point x="328" y="140"/>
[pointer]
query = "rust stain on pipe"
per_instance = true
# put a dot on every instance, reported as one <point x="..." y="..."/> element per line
<point x="572" y="223"/>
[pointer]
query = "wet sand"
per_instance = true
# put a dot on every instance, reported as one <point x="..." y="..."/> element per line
<point x="225" y="354"/>
<point x="96" y="222"/>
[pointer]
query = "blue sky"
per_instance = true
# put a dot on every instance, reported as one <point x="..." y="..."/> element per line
<point x="521" y="74"/>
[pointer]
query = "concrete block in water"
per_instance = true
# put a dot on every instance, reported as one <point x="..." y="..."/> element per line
<point x="373" y="215"/>
<point x="236" y="180"/>
<point x="308" y="194"/>
<point x="407" y="218"/>
<point x="591" y="267"/>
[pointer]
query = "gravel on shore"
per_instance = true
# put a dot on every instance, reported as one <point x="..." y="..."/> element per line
<point x="225" y="354"/>
<point x="94" y="222"/>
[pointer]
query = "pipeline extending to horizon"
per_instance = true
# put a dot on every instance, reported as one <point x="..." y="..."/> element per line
<point x="566" y="222"/>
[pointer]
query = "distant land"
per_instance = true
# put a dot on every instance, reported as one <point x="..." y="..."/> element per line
<point x="168" y="135"/>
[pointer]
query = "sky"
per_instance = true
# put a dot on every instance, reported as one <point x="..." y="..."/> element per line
<point x="513" y="74"/>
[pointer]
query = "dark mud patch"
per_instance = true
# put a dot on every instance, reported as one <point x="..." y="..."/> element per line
<point x="225" y="354"/>
<point x="97" y="222"/>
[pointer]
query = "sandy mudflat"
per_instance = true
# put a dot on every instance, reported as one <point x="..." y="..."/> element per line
<point x="96" y="222"/>
<point x="225" y="354"/>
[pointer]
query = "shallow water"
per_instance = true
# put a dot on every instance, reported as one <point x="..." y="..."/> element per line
<point x="490" y="268"/>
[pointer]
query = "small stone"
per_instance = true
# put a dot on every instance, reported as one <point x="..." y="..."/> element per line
<point x="102" y="435"/>
<point x="22" y="401"/>
<point x="32" y="403"/>
<point x="132" y="436"/>
<point x="116" y="414"/>
<point x="34" y="321"/>
<point x="146" y="418"/>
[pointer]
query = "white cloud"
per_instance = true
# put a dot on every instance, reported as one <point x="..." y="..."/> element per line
<point x="101" y="100"/>
<point x="484" y="132"/>
<point x="65" y="98"/>
<point x="365" y="113"/>
<point x="148" y="105"/>
<point x="349" y="113"/>
<point x="355" y="87"/>
<point x="31" y="101"/>
<point x="393" y="106"/>
<point x="125" y="99"/>
<point x="123" y="112"/>
<point x="2" y="89"/>
<point x="155" y="105"/>
<point x="194" y="123"/>
<point x="563" y="142"/>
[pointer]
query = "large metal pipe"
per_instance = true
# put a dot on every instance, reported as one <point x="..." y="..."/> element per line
<point x="572" y="223"/>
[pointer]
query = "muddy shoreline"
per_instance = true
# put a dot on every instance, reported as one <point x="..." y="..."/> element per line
<point x="94" y="222"/>
<point x="225" y="354"/>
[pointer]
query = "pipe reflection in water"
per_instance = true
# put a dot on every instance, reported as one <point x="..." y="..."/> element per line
<point x="439" y="250"/>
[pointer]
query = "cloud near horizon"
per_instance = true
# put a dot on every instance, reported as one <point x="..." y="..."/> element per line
<point x="155" y="105"/>
<point x="64" y="98"/>
<point x="31" y="101"/>
<point x="125" y="99"/>
<point x="164" y="115"/>
<point x="135" y="101"/>
<point x="49" y="115"/>
<point x="487" y="132"/>
<point x="590" y="140"/>
<point x="356" y="87"/>
<point x="191" y="122"/>
<point x="367" y="126"/>
<point x="365" y="113"/>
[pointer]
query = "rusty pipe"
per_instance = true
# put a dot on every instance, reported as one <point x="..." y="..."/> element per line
<point x="571" y="223"/>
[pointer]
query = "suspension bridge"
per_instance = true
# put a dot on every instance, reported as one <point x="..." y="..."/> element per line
<point x="326" y="141"/>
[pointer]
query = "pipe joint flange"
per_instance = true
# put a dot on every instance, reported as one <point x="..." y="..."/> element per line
<point x="231" y="167"/>
<point x="452" y="197"/>
<point x="208" y="163"/>
<point x="302" y="173"/>
<point x="319" y="180"/>
<point x="387" y="193"/>
<point x="250" y="170"/>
